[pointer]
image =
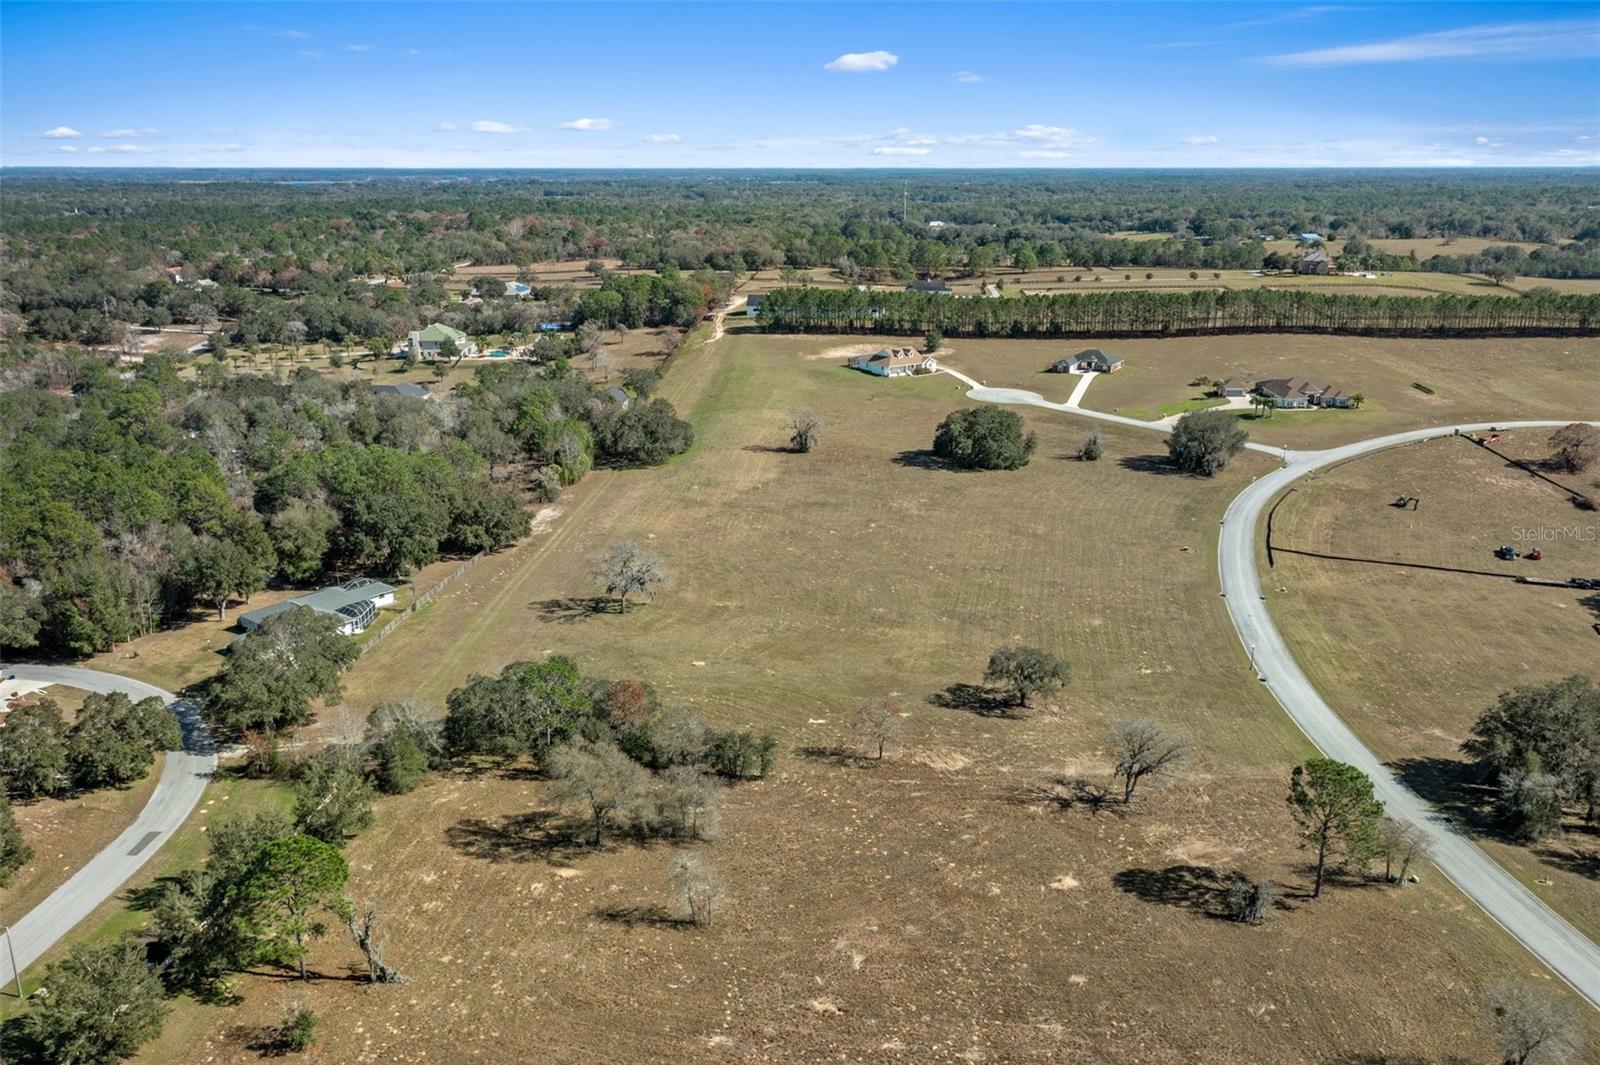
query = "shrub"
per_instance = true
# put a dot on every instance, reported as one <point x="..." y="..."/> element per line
<point x="1203" y="441"/>
<point x="984" y="438"/>
<point x="1091" y="449"/>
<point x="545" y="486"/>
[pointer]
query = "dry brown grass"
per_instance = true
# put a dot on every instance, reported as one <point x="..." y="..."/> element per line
<point x="936" y="907"/>
<point x="1409" y="657"/>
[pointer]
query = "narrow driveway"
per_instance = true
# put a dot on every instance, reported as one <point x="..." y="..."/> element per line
<point x="183" y="779"/>
<point x="1545" y="933"/>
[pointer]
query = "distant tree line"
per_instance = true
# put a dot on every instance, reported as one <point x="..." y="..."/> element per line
<point x="1188" y="313"/>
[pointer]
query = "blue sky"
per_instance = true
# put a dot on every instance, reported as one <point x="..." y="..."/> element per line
<point x="792" y="84"/>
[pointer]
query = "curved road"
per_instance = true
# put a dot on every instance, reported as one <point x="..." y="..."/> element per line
<point x="1545" y="933"/>
<point x="183" y="779"/>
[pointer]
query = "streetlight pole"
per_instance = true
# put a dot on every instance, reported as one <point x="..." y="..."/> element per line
<point x="16" y="973"/>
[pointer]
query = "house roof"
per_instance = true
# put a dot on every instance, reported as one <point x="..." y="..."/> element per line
<point x="438" y="333"/>
<point x="1095" y="355"/>
<point x="1310" y="238"/>
<point x="403" y="388"/>
<point x="333" y="599"/>
<point x="898" y="357"/>
<point x="1316" y="256"/>
<point x="1291" y="387"/>
<point x="754" y="299"/>
<point x="1231" y="382"/>
<point x="616" y="393"/>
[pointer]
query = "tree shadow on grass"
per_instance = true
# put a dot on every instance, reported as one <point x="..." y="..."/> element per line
<point x="1582" y="861"/>
<point x="1199" y="888"/>
<point x="1458" y="790"/>
<point x="1069" y="793"/>
<point x="975" y="699"/>
<point x="574" y="608"/>
<point x="635" y="916"/>
<point x="925" y="459"/>
<point x="539" y="835"/>
<point x="837" y="754"/>
<point x="768" y="449"/>
<point x="1160" y="465"/>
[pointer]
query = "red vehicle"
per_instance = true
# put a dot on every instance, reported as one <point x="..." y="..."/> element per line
<point x="1534" y="555"/>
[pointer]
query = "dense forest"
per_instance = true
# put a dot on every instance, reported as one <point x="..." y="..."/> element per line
<point x="127" y="504"/>
<point x="289" y="252"/>
<point x="1148" y="313"/>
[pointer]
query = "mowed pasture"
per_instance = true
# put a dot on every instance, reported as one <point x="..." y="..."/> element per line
<point x="1411" y="657"/>
<point x="938" y="906"/>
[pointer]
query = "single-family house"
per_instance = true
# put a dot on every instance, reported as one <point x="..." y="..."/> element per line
<point x="403" y="388"/>
<point x="426" y="343"/>
<point x="895" y="362"/>
<point x="1090" y="360"/>
<point x="1293" y="393"/>
<point x="930" y="284"/>
<point x="1315" y="261"/>
<point x="1308" y="238"/>
<point x="355" y="603"/>
<point x="1232" y="388"/>
<point x="618" y="396"/>
<point x="752" y="304"/>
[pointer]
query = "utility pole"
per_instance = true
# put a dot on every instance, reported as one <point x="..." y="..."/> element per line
<point x="905" y="204"/>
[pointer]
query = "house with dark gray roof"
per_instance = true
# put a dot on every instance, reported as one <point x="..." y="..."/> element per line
<point x="1089" y="360"/>
<point x="930" y="284"/>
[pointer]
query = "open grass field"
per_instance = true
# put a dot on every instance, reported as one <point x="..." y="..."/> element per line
<point x="935" y="907"/>
<point x="1408" y="657"/>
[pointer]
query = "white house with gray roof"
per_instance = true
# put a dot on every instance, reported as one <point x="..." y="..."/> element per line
<point x="355" y="603"/>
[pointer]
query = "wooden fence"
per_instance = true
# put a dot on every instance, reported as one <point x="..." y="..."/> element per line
<point x="419" y="601"/>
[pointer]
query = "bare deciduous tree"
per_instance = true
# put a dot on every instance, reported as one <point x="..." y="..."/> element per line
<point x="803" y="428"/>
<point x="1533" y="1028"/>
<point x="694" y="887"/>
<point x="1145" y="749"/>
<point x="878" y="725"/>
<point x="628" y="569"/>
<point x="1402" y="845"/>
<point x="686" y="802"/>
<point x="601" y="778"/>
<point x="370" y="941"/>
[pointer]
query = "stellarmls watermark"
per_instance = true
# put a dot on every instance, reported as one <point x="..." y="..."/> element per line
<point x="1577" y="533"/>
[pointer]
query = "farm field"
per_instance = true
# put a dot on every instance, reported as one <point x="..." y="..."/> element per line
<point x="933" y="907"/>
<point x="1409" y="658"/>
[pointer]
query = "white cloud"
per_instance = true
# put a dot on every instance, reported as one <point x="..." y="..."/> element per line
<point x="311" y="53"/>
<point x="486" y="126"/>
<point x="59" y="133"/>
<point x="1559" y="38"/>
<point x="225" y="147"/>
<point x="862" y="62"/>
<point x="66" y="147"/>
<point x="1299" y="14"/>
<point x="900" y="149"/>
<point x="413" y="51"/>
<point x="967" y="77"/>
<point x="590" y="124"/>
<point x="358" y="47"/>
<point x="447" y="127"/>
<point x="1035" y="132"/>
<point x="1042" y="153"/>
<point x="124" y="149"/>
<point x="1204" y="138"/>
<point x="294" y="35"/>
<point x="664" y="138"/>
<point x="129" y="134"/>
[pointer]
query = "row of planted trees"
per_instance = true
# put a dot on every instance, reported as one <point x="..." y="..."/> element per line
<point x="1151" y="313"/>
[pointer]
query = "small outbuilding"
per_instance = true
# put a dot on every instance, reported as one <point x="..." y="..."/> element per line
<point x="619" y="396"/>
<point x="1232" y="388"/>
<point x="752" y="304"/>
<point x="930" y="284"/>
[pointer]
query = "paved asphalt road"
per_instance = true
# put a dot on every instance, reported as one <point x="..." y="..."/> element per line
<point x="183" y="778"/>
<point x="1574" y="957"/>
<point x="1545" y="933"/>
